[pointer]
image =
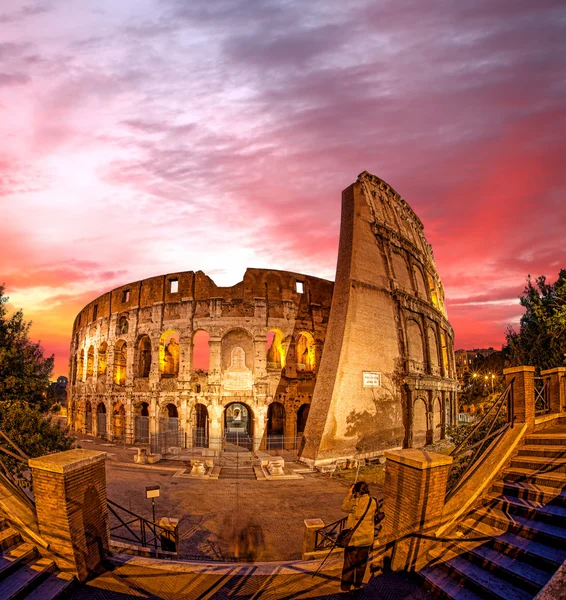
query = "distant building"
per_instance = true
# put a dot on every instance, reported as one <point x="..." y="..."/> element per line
<point x="57" y="390"/>
<point x="465" y="360"/>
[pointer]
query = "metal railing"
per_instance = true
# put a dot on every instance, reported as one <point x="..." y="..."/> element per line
<point x="325" y="538"/>
<point x="136" y="530"/>
<point x="542" y="396"/>
<point x="495" y="422"/>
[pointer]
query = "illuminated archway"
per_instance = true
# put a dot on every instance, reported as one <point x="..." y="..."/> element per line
<point x="81" y="365"/>
<point x="101" y="420"/>
<point x="275" y="349"/>
<point x="239" y="424"/>
<point x="302" y="416"/>
<point x="88" y="420"/>
<point x="102" y="359"/>
<point x="200" y="429"/>
<point x="275" y="425"/>
<point x="436" y="419"/>
<point x="201" y="351"/>
<point x="90" y="362"/>
<point x="169" y="352"/>
<point x="141" y="423"/>
<point x="120" y="356"/>
<point x="119" y="422"/>
<point x="416" y="346"/>
<point x="305" y="352"/>
<point x="419" y="422"/>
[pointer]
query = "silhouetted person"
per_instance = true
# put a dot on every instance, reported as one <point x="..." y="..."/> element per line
<point x="357" y="552"/>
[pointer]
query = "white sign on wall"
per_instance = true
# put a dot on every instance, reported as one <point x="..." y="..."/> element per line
<point x="372" y="379"/>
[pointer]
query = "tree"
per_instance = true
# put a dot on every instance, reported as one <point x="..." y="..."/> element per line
<point x="24" y="371"/>
<point x="24" y="378"/>
<point x="541" y="339"/>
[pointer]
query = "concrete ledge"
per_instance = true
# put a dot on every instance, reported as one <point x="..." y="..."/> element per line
<point x="554" y="589"/>
<point x="68" y="461"/>
<point x="543" y="419"/>
<point x="419" y="459"/>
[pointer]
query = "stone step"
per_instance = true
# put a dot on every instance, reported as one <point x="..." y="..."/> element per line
<point x="530" y="491"/>
<point x="527" y="508"/>
<point x="552" y="451"/>
<point x="544" y="533"/>
<point x="445" y="586"/>
<point x="546" y="439"/>
<point x="25" y="578"/>
<point x="555" y="480"/>
<point x="235" y="473"/>
<point x="13" y="557"/>
<point x="55" y="586"/>
<point x="9" y="537"/>
<point x="541" y="464"/>
<point x="545" y="557"/>
<point x="484" y="583"/>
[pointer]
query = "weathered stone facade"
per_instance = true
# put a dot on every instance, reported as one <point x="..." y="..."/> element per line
<point x="386" y="379"/>
<point x="132" y="355"/>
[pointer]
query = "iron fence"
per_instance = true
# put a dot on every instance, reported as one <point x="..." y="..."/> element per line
<point x="542" y="396"/>
<point x="325" y="538"/>
<point x="101" y="425"/>
<point x="141" y="430"/>
<point x="129" y="527"/>
<point x="493" y="425"/>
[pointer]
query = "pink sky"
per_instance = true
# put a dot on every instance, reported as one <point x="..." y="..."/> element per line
<point x="150" y="136"/>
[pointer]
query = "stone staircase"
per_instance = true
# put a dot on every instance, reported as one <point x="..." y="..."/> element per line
<point x="519" y="530"/>
<point x="24" y="573"/>
<point x="236" y="463"/>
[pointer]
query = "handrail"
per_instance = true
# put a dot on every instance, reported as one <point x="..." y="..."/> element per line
<point x="325" y="537"/>
<point x="149" y="533"/>
<point x="542" y="400"/>
<point x="469" y="454"/>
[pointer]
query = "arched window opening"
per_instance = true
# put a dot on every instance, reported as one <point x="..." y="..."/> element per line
<point x="433" y="292"/>
<point x="401" y="272"/>
<point x="201" y="351"/>
<point x="436" y="419"/>
<point x="305" y="352"/>
<point x="275" y="425"/>
<point x="88" y="420"/>
<point x="81" y="365"/>
<point x="275" y="348"/>
<point x="102" y="359"/>
<point x="120" y="355"/>
<point x="419" y="422"/>
<point x="433" y="351"/>
<point x="444" y="348"/>
<point x="302" y="416"/>
<point x="144" y="357"/>
<point x="169" y="352"/>
<point x="141" y="423"/>
<point x="169" y="420"/>
<point x="419" y="282"/>
<point x="238" y="425"/>
<point x="123" y="326"/>
<point x="90" y="362"/>
<point x="200" y="429"/>
<point x="416" y="347"/>
<point x="101" y="420"/>
<point x="75" y="369"/>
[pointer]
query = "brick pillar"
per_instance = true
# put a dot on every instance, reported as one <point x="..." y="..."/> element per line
<point x="557" y="391"/>
<point x="523" y="393"/>
<point x="70" y="497"/>
<point x="415" y="488"/>
<point x="311" y="527"/>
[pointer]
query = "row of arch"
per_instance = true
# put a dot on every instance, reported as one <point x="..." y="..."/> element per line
<point x="278" y="348"/>
<point x="427" y="349"/>
<point x="238" y="416"/>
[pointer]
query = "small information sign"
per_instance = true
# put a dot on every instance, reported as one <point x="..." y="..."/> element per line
<point x="372" y="379"/>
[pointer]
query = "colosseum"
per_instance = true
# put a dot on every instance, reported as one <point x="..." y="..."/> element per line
<point x="279" y="360"/>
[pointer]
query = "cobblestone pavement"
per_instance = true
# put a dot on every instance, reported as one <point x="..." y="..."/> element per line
<point x="213" y="512"/>
<point x="135" y="577"/>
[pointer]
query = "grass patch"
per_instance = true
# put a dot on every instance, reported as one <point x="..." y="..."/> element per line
<point x="374" y="474"/>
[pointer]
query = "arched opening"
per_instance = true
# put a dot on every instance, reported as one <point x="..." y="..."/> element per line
<point x="101" y="420"/>
<point x="275" y="425"/>
<point x="88" y="419"/>
<point x="436" y="419"/>
<point x="81" y="365"/>
<point x="120" y="354"/>
<point x="200" y="429"/>
<point x="119" y="424"/>
<point x="416" y="347"/>
<point x="102" y="359"/>
<point x="419" y="282"/>
<point x="75" y="369"/>
<point x="302" y="416"/>
<point x="444" y="349"/>
<point x="170" y="435"/>
<point x="432" y="291"/>
<point x="141" y="423"/>
<point x="305" y="352"/>
<point x="123" y="326"/>
<point x="239" y="424"/>
<point x="275" y="349"/>
<point x="201" y="351"/>
<point x="169" y="418"/>
<point x="144" y="357"/>
<point x="433" y="351"/>
<point x="401" y="272"/>
<point x="169" y="352"/>
<point x="90" y="362"/>
<point x="419" y="422"/>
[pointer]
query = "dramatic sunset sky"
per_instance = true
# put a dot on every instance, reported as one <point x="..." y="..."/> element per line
<point x="141" y="137"/>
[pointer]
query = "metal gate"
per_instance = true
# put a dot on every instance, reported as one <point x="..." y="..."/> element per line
<point x="141" y="430"/>
<point x="101" y="424"/>
<point x="169" y="436"/>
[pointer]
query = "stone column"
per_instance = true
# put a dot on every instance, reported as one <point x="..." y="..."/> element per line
<point x="414" y="493"/>
<point x="260" y="421"/>
<point x="70" y="497"/>
<point x="215" y="415"/>
<point x="214" y="367"/>
<point x="556" y="392"/>
<point x="185" y="356"/>
<point x="523" y="393"/>
<point x="260" y="357"/>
